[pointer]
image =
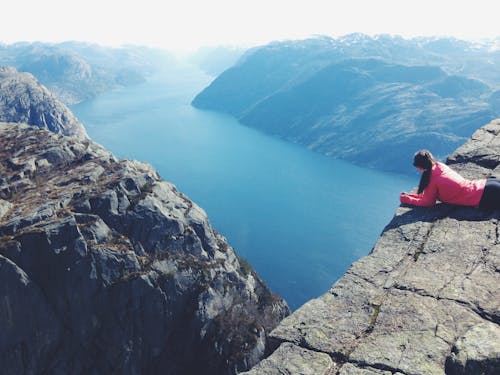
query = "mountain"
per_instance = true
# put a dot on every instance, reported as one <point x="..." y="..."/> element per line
<point x="105" y="268"/>
<point x="426" y="300"/>
<point x="368" y="100"/>
<point x="214" y="60"/>
<point x="77" y="71"/>
<point x="23" y="99"/>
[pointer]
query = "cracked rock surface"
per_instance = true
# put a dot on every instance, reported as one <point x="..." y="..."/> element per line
<point x="426" y="300"/>
<point x="107" y="269"/>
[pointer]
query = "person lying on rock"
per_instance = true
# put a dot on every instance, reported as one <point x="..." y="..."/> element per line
<point x="441" y="183"/>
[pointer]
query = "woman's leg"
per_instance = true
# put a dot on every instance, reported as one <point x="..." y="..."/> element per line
<point x="491" y="195"/>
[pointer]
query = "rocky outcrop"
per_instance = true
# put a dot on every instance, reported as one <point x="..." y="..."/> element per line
<point x="107" y="269"/>
<point x="24" y="100"/>
<point x="426" y="300"/>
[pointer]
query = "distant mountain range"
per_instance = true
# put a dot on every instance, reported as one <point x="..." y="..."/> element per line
<point x="214" y="60"/>
<point x="76" y="71"/>
<point x="370" y="100"/>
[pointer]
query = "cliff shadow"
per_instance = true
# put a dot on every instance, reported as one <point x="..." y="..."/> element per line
<point x="406" y="214"/>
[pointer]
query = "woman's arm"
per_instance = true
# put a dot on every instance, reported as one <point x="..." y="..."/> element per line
<point x="427" y="198"/>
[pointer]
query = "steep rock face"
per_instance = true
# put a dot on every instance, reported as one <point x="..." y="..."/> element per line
<point x="24" y="100"/>
<point x="104" y="268"/>
<point x="425" y="301"/>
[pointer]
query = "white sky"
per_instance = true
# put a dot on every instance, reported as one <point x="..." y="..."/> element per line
<point x="188" y="24"/>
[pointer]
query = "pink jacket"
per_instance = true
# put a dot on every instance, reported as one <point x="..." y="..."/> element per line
<point x="447" y="186"/>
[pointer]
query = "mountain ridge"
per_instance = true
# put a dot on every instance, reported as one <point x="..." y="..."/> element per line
<point x="78" y="71"/>
<point x="356" y="99"/>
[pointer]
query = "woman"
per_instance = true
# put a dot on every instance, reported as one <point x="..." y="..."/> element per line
<point x="440" y="182"/>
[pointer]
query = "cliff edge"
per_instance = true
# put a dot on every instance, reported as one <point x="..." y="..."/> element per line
<point x="107" y="269"/>
<point x="426" y="300"/>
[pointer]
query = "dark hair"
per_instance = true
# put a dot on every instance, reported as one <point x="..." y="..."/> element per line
<point x="424" y="160"/>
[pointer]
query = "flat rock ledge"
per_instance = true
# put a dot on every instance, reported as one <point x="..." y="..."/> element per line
<point x="107" y="269"/>
<point x="426" y="300"/>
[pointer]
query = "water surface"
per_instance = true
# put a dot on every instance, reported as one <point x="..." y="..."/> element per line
<point x="300" y="218"/>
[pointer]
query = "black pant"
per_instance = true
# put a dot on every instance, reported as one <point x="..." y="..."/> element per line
<point x="491" y="195"/>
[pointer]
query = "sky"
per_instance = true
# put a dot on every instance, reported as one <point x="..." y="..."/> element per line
<point x="185" y="25"/>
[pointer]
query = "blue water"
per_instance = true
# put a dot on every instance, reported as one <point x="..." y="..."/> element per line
<point x="298" y="217"/>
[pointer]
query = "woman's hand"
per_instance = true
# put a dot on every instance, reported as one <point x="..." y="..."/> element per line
<point x="403" y="197"/>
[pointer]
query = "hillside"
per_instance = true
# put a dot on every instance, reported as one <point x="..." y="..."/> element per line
<point x="426" y="300"/>
<point x="77" y="71"/>
<point x="362" y="99"/>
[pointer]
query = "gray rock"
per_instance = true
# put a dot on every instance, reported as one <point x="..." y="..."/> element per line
<point x="105" y="268"/>
<point x="24" y="100"/>
<point x="477" y="352"/>
<point x="479" y="156"/>
<point x="426" y="300"/>
<point x="350" y="369"/>
<point x="4" y="207"/>
<point x="28" y="322"/>
<point x="292" y="359"/>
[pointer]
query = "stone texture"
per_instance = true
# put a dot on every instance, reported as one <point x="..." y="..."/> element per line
<point x="105" y="268"/>
<point x="24" y="100"/>
<point x="426" y="300"/>
<point x="349" y="369"/>
<point x="479" y="156"/>
<point x="477" y="352"/>
<point x="292" y="359"/>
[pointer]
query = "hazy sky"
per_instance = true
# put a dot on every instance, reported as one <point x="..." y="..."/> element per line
<point x="187" y="24"/>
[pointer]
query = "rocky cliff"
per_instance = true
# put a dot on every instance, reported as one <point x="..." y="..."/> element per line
<point x="107" y="269"/>
<point x="426" y="300"/>
<point x="24" y="100"/>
